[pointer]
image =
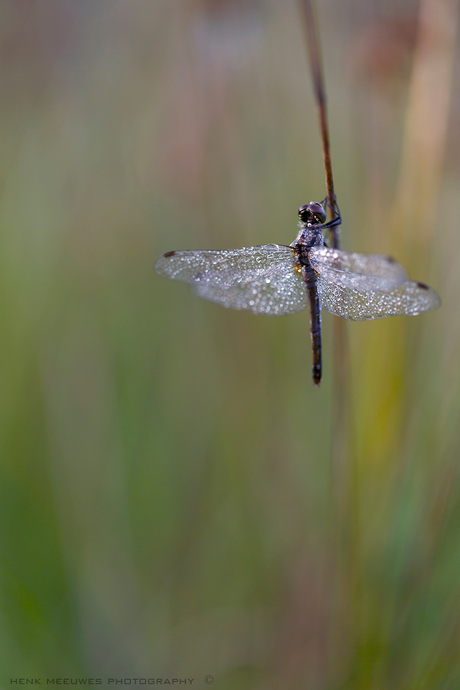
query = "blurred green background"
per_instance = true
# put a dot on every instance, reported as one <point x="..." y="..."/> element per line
<point x="177" y="499"/>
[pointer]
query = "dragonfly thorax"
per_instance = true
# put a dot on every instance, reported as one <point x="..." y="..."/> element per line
<point x="308" y="237"/>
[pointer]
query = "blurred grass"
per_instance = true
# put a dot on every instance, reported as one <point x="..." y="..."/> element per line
<point x="168" y="501"/>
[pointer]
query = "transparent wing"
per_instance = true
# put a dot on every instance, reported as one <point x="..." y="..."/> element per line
<point x="348" y="267"/>
<point x="262" y="279"/>
<point x="367" y="286"/>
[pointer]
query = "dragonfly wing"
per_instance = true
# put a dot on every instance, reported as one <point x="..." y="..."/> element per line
<point x="261" y="279"/>
<point x="343" y="263"/>
<point x="367" y="286"/>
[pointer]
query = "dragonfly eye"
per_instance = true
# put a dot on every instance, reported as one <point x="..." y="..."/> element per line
<point x="312" y="213"/>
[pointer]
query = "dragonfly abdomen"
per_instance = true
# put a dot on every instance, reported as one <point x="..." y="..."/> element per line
<point x="309" y="277"/>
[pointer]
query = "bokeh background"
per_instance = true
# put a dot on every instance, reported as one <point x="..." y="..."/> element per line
<point x="177" y="500"/>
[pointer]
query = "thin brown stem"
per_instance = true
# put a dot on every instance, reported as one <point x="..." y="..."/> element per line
<point x="320" y="95"/>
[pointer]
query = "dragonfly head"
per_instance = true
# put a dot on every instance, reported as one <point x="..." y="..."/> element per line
<point x="312" y="214"/>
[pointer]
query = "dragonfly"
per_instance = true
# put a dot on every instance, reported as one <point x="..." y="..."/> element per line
<point x="278" y="279"/>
